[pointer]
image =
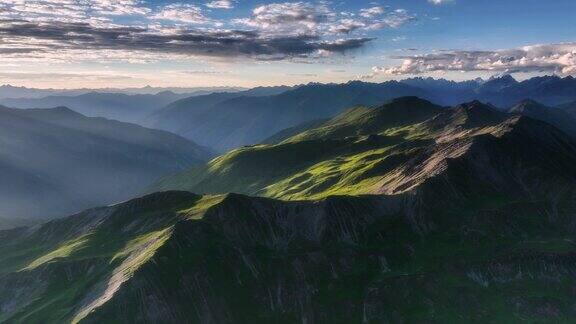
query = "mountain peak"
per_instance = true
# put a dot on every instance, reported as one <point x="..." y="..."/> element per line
<point x="527" y="104"/>
<point x="410" y="100"/>
<point x="476" y="114"/>
<point x="499" y="83"/>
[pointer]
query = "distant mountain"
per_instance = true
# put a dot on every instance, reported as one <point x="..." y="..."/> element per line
<point x="560" y="118"/>
<point x="503" y="91"/>
<point x="548" y="90"/>
<point x="406" y="212"/>
<point x="226" y="121"/>
<point x="12" y="92"/>
<point x="122" y="107"/>
<point x="569" y="108"/>
<point x="56" y="161"/>
<point x="9" y="91"/>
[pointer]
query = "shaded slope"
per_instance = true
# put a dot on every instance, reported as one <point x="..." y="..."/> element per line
<point x="560" y="118"/>
<point x="569" y="108"/>
<point x="176" y="257"/>
<point x="56" y="161"/>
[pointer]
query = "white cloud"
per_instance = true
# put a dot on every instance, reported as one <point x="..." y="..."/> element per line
<point x="220" y="4"/>
<point x="551" y="58"/>
<point x="439" y="2"/>
<point x="288" y="18"/>
<point x="128" y="30"/>
<point x="70" y="10"/>
<point x="371" y="12"/>
<point x="186" y="13"/>
<point x="119" y="7"/>
<point x="318" y="19"/>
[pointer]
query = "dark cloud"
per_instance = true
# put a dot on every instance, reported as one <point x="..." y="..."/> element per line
<point x="213" y="43"/>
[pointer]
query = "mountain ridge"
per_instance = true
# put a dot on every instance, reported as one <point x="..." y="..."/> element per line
<point x="463" y="213"/>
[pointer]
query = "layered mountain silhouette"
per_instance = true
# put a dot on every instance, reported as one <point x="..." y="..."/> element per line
<point x="224" y="121"/>
<point x="503" y="91"/>
<point x="123" y="107"/>
<point x="57" y="161"/>
<point x="405" y="212"/>
<point x="563" y="119"/>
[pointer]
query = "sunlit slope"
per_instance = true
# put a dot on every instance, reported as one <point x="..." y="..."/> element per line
<point x="387" y="150"/>
<point x="361" y="134"/>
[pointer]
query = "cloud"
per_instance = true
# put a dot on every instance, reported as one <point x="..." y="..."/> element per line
<point x="318" y="19"/>
<point x="288" y="18"/>
<point x="371" y="12"/>
<point x="70" y="10"/>
<point x="118" y="7"/>
<point x="205" y="72"/>
<point x="551" y="58"/>
<point x="439" y="2"/>
<point x="56" y="39"/>
<point x="186" y="13"/>
<point x="220" y="4"/>
<point x="127" y="30"/>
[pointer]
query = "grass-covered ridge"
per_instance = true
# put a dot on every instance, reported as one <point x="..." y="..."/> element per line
<point x="340" y="152"/>
<point x="179" y="257"/>
<point x="362" y="151"/>
<point x="466" y="215"/>
<point x="97" y="250"/>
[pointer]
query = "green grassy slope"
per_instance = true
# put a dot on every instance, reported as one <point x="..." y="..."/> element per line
<point x="349" y="144"/>
<point x="469" y="219"/>
<point x="354" y="153"/>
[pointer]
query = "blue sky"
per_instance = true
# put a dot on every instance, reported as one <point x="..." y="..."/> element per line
<point x="131" y="43"/>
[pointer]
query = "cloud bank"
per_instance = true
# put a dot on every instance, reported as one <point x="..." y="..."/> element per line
<point x="53" y="38"/>
<point x="549" y="58"/>
<point x="108" y="29"/>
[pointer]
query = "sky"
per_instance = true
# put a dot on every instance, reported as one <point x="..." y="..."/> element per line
<point x="165" y="43"/>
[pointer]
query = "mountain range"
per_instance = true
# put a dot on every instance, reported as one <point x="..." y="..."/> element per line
<point x="122" y="107"/>
<point x="403" y="212"/>
<point x="57" y="161"/>
<point x="224" y="121"/>
<point x="229" y="120"/>
<point x="14" y="92"/>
